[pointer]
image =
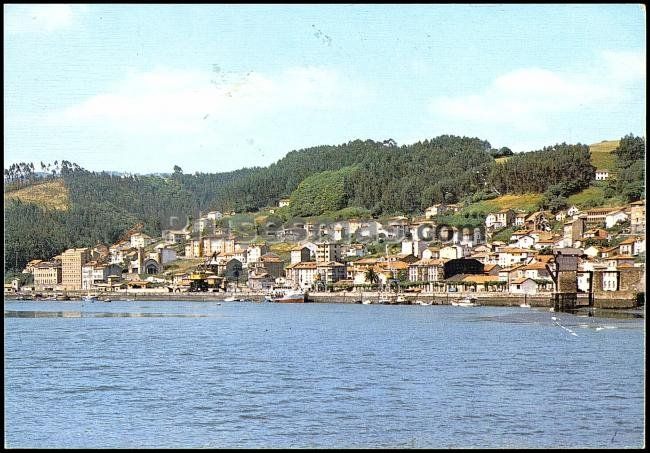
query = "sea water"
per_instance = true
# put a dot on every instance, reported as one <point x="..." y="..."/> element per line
<point x="247" y="375"/>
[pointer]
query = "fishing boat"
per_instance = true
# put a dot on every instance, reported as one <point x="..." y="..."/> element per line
<point x="291" y="297"/>
<point x="89" y="298"/>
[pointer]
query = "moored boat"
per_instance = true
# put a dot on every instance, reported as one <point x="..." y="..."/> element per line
<point x="466" y="302"/>
<point x="291" y="297"/>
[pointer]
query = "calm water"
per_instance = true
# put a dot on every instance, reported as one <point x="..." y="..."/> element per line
<point x="198" y="374"/>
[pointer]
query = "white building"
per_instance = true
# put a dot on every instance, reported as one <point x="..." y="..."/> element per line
<point x="614" y="217"/>
<point x="140" y="240"/>
<point x="602" y="174"/>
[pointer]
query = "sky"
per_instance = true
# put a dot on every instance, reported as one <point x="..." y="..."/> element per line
<point x="212" y="88"/>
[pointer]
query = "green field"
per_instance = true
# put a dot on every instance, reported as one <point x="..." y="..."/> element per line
<point x="601" y="154"/>
<point x="50" y="194"/>
<point x="527" y="202"/>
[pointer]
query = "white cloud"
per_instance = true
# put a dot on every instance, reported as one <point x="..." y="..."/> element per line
<point x="527" y="99"/>
<point x="38" y="18"/>
<point x="168" y="100"/>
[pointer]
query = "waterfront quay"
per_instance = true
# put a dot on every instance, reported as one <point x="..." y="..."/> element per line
<point x="343" y="297"/>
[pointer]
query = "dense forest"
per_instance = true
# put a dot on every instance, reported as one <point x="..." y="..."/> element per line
<point x="376" y="177"/>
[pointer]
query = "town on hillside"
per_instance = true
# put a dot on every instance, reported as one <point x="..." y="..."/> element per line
<point x="417" y="256"/>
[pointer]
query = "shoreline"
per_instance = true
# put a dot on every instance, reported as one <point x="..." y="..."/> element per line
<point x="493" y="300"/>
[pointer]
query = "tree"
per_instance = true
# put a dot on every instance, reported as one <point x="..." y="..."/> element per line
<point x="372" y="276"/>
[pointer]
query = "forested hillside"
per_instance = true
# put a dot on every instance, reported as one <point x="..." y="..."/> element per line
<point x="380" y="177"/>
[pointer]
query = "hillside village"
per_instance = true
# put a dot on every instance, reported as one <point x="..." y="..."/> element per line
<point x="416" y="254"/>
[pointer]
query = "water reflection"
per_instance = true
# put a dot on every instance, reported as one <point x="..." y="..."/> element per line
<point x="79" y="314"/>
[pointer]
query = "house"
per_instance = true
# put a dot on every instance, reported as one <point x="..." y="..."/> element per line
<point x="572" y="211"/>
<point x="302" y="275"/>
<point x="140" y="240"/>
<point x="29" y="268"/>
<point x="639" y="246"/>
<point x="331" y="272"/>
<point x="255" y="250"/>
<point x="538" y="221"/>
<point x="272" y="264"/>
<point x="481" y="282"/>
<point x="573" y="230"/>
<point x="596" y="216"/>
<point x="328" y="251"/>
<point x="617" y="261"/>
<point x="231" y="269"/>
<point x="637" y="217"/>
<point x="175" y="236"/>
<point x="210" y="245"/>
<point x="548" y="243"/>
<point x="260" y="282"/>
<point x="401" y="257"/>
<point x="93" y="273"/>
<point x="357" y="269"/>
<point x="596" y="233"/>
<point x="214" y="215"/>
<point x="602" y="174"/>
<point x="491" y="269"/>
<point x="508" y="274"/>
<point x="340" y="232"/>
<point x="300" y="254"/>
<point x="607" y="252"/>
<point x="47" y="275"/>
<point x="525" y="241"/>
<point x="520" y="218"/>
<point x="436" y="209"/>
<point x="500" y="219"/>
<point x="426" y="270"/>
<point x="356" y="250"/>
<point x="414" y="247"/>
<point x="388" y="270"/>
<point x="537" y="271"/>
<point x="592" y="251"/>
<point x="514" y="255"/>
<point x="614" y="217"/>
<point x="627" y="246"/>
<point x="523" y="286"/>
<point x="165" y="254"/>
<point x="450" y="252"/>
<point x="397" y="227"/>
<point x="431" y="253"/>
<point x="561" y="216"/>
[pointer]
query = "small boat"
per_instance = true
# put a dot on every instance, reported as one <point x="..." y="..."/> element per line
<point x="466" y="302"/>
<point x="400" y="300"/>
<point x="524" y="305"/>
<point x="421" y="302"/>
<point x="230" y="299"/>
<point x="366" y="302"/>
<point x="89" y="298"/>
<point x="106" y="300"/>
<point x="291" y="297"/>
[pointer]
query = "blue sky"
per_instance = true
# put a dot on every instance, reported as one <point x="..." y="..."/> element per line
<point x="211" y="88"/>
